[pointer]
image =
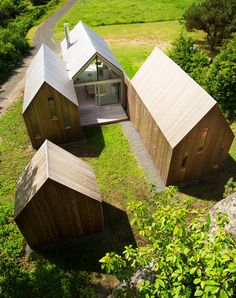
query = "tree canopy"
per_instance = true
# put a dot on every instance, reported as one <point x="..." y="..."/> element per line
<point x="189" y="57"/>
<point x="221" y="79"/>
<point x="215" y="17"/>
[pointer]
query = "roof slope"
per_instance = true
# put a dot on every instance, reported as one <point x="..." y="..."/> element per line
<point x="47" y="67"/>
<point x="176" y="102"/>
<point x="85" y="43"/>
<point x="55" y="163"/>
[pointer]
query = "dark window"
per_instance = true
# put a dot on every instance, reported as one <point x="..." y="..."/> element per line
<point x="202" y="140"/>
<point x="184" y="162"/>
<point x="35" y="128"/>
<point x="52" y="108"/>
<point x="67" y="123"/>
<point x="218" y="158"/>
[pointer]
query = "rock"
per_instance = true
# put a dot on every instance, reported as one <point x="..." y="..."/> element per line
<point x="227" y="206"/>
<point x="142" y="274"/>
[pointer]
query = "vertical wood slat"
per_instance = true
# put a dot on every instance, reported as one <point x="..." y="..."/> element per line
<point x="167" y="159"/>
<point x="53" y="130"/>
<point x="156" y="144"/>
<point x="57" y="198"/>
<point x="57" y="213"/>
<point x="200" y="165"/>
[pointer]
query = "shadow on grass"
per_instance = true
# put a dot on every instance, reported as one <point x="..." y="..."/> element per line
<point x="84" y="253"/>
<point x="64" y="269"/>
<point x="91" y="145"/>
<point x="212" y="188"/>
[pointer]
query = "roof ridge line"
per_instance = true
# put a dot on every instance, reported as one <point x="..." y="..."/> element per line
<point x="85" y="29"/>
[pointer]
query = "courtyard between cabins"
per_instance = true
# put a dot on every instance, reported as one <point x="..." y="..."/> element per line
<point x="57" y="274"/>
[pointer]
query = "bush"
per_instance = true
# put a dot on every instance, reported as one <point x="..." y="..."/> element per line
<point x="39" y="2"/>
<point x="10" y="9"/>
<point x="187" y="262"/>
<point x="230" y="188"/>
<point x="12" y="48"/>
<point x="221" y="80"/>
<point x="186" y="54"/>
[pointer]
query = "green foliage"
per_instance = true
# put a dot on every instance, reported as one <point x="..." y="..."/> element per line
<point x="192" y="60"/>
<point x="215" y="17"/>
<point x="221" y="79"/>
<point x="64" y="273"/>
<point x="187" y="262"/>
<point x="39" y="2"/>
<point x="10" y="9"/>
<point x="16" y="18"/>
<point x="230" y="188"/>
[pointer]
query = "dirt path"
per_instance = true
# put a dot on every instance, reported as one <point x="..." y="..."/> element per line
<point x="15" y="84"/>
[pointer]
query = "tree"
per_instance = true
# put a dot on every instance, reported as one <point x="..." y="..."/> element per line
<point x="184" y="258"/>
<point x="215" y="17"/>
<point x="221" y="80"/>
<point x="192" y="60"/>
<point x="39" y="2"/>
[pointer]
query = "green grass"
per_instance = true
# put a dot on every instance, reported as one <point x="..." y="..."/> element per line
<point x="73" y="271"/>
<point x="30" y="34"/>
<point x="108" y="12"/>
<point x="132" y="43"/>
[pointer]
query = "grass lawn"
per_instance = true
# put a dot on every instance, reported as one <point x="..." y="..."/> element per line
<point x="108" y="12"/>
<point x="73" y="270"/>
<point x="132" y="43"/>
<point x="49" y="12"/>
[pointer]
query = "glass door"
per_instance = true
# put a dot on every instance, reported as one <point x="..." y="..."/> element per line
<point x="109" y="93"/>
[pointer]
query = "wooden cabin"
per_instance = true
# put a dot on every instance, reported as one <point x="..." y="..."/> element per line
<point x="97" y="75"/>
<point x="57" y="198"/>
<point x="181" y="125"/>
<point x="50" y="107"/>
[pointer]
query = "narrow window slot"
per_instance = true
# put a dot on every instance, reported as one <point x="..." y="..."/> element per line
<point x="52" y="108"/>
<point x="35" y="128"/>
<point x="202" y="140"/>
<point x="184" y="162"/>
<point x="67" y="122"/>
<point x="217" y="161"/>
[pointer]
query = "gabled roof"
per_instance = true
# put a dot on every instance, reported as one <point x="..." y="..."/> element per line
<point x="47" y="67"/>
<point x="85" y="44"/>
<point x="176" y="102"/>
<point x="55" y="163"/>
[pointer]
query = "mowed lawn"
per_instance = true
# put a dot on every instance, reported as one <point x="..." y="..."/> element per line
<point x="131" y="28"/>
<point x="109" y="12"/>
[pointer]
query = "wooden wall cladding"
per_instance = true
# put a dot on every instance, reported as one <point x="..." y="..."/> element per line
<point x="57" y="213"/>
<point x="54" y="130"/>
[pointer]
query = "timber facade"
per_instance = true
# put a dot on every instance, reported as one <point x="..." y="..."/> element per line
<point x="57" y="198"/>
<point x="182" y="127"/>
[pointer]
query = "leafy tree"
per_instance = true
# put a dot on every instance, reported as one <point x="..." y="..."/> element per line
<point x="10" y="9"/>
<point x="215" y="17"/>
<point x="221" y="80"/>
<point x="188" y="262"/>
<point x="39" y="2"/>
<point x="192" y="60"/>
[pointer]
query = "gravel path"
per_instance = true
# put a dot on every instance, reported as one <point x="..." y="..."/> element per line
<point x="15" y="84"/>
<point x="143" y="157"/>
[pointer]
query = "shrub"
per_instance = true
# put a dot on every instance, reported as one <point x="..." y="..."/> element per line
<point x="192" y="60"/>
<point x="221" y="80"/>
<point x="39" y="2"/>
<point x="12" y="48"/>
<point x="187" y="263"/>
<point x="230" y="188"/>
